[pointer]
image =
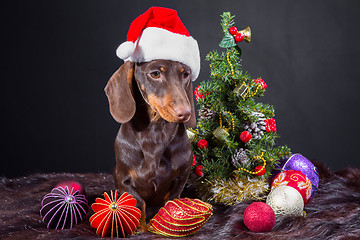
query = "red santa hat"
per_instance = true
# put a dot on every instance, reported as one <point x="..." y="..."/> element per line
<point x="159" y="34"/>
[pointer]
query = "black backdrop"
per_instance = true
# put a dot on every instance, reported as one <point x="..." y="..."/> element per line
<point x="58" y="55"/>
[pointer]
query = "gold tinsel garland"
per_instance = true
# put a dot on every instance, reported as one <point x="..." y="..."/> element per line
<point x="233" y="190"/>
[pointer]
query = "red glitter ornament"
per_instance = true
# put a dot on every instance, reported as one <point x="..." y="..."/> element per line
<point x="245" y="136"/>
<point x="259" y="217"/>
<point x="270" y="125"/>
<point x="202" y="143"/>
<point x="115" y="216"/>
<point x="180" y="217"/>
<point x="76" y="186"/>
<point x="295" y="179"/>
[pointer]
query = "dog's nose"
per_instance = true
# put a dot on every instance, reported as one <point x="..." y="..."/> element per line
<point x="182" y="113"/>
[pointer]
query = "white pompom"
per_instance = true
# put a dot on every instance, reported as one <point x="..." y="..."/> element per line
<point x="125" y="50"/>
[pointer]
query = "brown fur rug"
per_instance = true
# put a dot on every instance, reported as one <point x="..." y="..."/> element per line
<point x="334" y="212"/>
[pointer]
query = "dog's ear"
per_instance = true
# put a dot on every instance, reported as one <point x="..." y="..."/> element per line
<point x="192" y="121"/>
<point x="119" y="93"/>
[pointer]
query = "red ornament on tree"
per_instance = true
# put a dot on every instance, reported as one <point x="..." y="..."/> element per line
<point x="198" y="94"/>
<point x="202" y="143"/>
<point x="261" y="82"/>
<point x="259" y="217"/>
<point x="198" y="171"/>
<point x="270" y="125"/>
<point x="233" y="30"/>
<point x="245" y="136"/>
<point x="239" y="37"/>
<point x="194" y="160"/>
<point x="180" y="217"/>
<point x="115" y="217"/>
<point x="259" y="170"/>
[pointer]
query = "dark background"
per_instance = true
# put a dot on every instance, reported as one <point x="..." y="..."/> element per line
<point x="58" y="55"/>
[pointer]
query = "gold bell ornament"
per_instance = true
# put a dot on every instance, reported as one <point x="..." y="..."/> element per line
<point x="244" y="34"/>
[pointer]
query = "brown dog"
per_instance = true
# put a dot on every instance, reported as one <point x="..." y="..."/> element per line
<point x="154" y="102"/>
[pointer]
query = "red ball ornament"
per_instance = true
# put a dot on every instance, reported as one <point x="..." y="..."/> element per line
<point x="180" y="217"/>
<point x="194" y="160"/>
<point x="115" y="216"/>
<point x="245" y="136"/>
<point x="259" y="217"/>
<point x="295" y="179"/>
<point x="198" y="171"/>
<point x="72" y="185"/>
<point x="202" y="143"/>
<point x="233" y="30"/>
<point x="239" y="37"/>
<point x="259" y="170"/>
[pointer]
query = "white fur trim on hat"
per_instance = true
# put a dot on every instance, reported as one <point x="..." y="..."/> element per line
<point x="125" y="50"/>
<point x="158" y="43"/>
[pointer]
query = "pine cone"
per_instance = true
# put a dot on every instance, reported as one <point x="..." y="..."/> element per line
<point x="258" y="127"/>
<point x="206" y="113"/>
<point x="240" y="158"/>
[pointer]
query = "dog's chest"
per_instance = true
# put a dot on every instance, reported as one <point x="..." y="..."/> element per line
<point x="165" y="156"/>
<point x="158" y="136"/>
<point x="161" y="142"/>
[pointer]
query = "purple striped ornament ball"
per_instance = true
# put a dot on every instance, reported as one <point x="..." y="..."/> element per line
<point x="63" y="208"/>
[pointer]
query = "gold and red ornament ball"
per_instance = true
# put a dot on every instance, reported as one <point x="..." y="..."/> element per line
<point x="115" y="216"/>
<point x="295" y="179"/>
<point x="180" y="217"/>
<point x="259" y="217"/>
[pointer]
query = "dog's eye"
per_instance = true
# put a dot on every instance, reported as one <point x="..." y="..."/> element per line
<point x="186" y="74"/>
<point x="155" y="74"/>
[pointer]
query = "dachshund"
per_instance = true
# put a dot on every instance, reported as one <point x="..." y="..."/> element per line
<point x="154" y="102"/>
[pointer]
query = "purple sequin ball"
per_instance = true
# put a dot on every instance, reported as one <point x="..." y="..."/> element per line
<point x="298" y="162"/>
<point x="63" y="208"/>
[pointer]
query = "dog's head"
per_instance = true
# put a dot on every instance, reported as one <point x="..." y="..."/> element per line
<point x="164" y="84"/>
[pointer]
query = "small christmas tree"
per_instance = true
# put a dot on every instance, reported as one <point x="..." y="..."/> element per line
<point x="235" y="135"/>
